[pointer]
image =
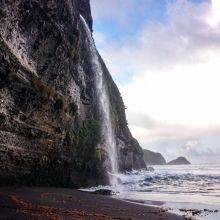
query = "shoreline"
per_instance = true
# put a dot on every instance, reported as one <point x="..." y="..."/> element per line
<point x="60" y="203"/>
<point x="192" y="211"/>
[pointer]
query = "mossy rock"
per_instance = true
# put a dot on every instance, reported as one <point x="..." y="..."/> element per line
<point x="1" y="44"/>
<point x="98" y="154"/>
<point x="73" y="108"/>
<point x="2" y="13"/>
<point x="2" y="118"/>
<point x="49" y="91"/>
<point x="84" y="141"/>
<point x="114" y="115"/>
<point x="89" y="131"/>
<point x="74" y="42"/>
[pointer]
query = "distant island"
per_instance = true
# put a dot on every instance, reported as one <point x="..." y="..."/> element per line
<point x="152" y="158"/>
<point x="179" y="161"/>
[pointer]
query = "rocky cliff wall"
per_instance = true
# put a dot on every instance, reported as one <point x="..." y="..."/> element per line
<point x="49" y="122"/>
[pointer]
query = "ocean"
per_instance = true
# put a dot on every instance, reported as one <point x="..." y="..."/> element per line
<point x="188" y="190"/>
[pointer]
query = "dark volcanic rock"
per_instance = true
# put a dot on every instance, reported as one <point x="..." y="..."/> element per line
<point x="179" y="161"/>
<point x="152" y="158"/>
<point x="49" y="121"/>
<point x="104" y="192"/>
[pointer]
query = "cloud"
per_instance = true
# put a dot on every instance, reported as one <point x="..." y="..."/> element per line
<point x="184" y="95"/>
<point x="174" y="148"/>
<point x="203" y="153"/>
<point x="191" y="145"/>
<point x="215" y="16"/>
<point x="119" y="11"/>
<point x="162" y="130"/>
<point x="186" y="38"/>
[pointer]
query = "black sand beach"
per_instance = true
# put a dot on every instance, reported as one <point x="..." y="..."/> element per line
<point x="58" y="203"/>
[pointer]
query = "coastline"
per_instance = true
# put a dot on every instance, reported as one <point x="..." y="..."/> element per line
<point x="59" y="203"/>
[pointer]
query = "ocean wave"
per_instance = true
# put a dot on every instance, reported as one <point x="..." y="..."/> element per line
<point x="194" y="179"/>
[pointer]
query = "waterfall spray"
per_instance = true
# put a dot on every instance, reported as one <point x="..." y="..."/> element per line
<point x="104" y="107"/>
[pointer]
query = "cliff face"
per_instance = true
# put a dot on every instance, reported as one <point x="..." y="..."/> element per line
<point x="152" y="158"/>
<point x="49" y="121"/>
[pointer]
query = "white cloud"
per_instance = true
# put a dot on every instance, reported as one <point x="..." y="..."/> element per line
<point x="215" y="16"/>
<point x="119" y="11"/>
<point x="100" y="39"/>
<point x="184" y="95"/>
<point x="186" y="39"/>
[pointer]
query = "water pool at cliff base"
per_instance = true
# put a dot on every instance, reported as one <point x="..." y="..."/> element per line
<point x="188" y="190"/>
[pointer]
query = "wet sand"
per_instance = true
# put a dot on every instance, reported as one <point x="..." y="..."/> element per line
<point x="59" y="204"/>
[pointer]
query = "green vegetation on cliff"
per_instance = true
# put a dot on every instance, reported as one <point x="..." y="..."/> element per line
<point x="84" y="140"/>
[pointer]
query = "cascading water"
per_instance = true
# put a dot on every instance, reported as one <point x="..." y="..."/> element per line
<point x="104" y="107"/>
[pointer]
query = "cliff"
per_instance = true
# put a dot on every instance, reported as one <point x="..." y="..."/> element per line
<point x="179" y="161"/>
<point x="50" y="127"/>
<point x="152" y="158"/>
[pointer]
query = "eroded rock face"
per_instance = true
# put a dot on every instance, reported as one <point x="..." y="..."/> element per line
<point x="49" y="121"/>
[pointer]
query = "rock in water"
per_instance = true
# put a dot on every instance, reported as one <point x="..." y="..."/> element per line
<point x="49" y="121"/>
<point x="179" y="161"/>
<point x="105" y="192"/>
<point x="152" y="158"/>
<point x="151" y="169"/>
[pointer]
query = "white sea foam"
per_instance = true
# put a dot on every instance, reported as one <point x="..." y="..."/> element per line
<point x="176" y="187"/>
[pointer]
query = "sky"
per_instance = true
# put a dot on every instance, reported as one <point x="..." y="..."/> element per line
<point x="164" y="55"/>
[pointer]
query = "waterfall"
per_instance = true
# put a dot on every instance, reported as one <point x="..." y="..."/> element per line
<point x="104" y="107"/>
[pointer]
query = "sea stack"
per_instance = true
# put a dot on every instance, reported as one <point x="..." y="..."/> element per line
<point x="179" y="161"/>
